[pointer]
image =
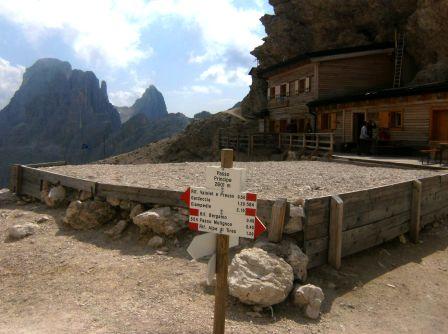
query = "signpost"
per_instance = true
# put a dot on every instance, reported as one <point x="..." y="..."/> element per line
<point x="225" y="208"/>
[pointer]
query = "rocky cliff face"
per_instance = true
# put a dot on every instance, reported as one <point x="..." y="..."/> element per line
<point x="57" y="114"/>
<point x="300" y="26"/>
<point x="151" y="104"/>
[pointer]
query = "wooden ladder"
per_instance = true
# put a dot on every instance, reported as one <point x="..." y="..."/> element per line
<point x="399" y="54"/>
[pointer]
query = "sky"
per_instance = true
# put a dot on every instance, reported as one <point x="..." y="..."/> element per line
<point x="196" y="52"/>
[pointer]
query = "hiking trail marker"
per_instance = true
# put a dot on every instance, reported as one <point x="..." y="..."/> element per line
<point x="223" y="207"/>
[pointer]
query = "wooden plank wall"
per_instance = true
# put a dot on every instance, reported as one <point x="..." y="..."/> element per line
<point x="353" y="75"/>
<point x="32" y="182"/>
<point x="372" y="216"/>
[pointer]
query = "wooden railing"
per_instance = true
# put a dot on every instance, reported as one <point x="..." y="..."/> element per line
<point x="257" y="142"/>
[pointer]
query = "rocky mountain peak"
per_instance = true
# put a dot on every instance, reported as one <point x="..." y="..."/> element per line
<point x="152" y="104"/>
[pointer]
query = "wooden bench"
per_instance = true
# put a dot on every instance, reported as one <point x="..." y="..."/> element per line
<point x="428" y="154"/>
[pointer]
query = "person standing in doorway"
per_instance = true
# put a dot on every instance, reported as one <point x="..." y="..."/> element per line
<point x="363" y="146"/>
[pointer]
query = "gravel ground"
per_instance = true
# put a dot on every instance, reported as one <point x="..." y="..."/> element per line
<point x="62" y="280"/>
<point x="291" y="179"/>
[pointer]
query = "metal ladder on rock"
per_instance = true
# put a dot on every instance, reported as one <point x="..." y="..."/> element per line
<point x="399" y="54"/>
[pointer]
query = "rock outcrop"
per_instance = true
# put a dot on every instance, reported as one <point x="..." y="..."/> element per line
<point x="299" y="26"/>
<point x="259" y="278"/>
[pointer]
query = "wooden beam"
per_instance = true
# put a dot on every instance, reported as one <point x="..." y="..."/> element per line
<point x="414" y="228"/>
<point x="335" y="232"/>
<point x="47" y="164"/>
<point x="16" y="179"/>
<point x="275" y="229"/>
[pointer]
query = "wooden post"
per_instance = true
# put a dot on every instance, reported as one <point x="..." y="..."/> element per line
<point x="304" y="141"/>
<point x="414" y="228"/>
<point x="275" y="230"/>
<point x="222" y="262"/>
<point x="15" y="182"/>
<point x="335" y="233"/>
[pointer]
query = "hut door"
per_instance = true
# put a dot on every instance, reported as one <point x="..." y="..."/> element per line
<point x="440" y="125"/>
<point x="358" y="120"/>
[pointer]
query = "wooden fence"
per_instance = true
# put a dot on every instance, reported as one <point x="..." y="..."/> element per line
<point x="333" y="227"/>
<point x="257" y="142"/>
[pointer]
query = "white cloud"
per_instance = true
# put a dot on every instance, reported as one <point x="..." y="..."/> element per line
<point x="205" y="89"/>
<point x="10" y="80"/>
<point x="127" y="97"/>
<point x="110" y="31"/>
<point x="220" y="74"/>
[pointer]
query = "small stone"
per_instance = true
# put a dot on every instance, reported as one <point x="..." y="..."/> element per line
<point x="42" y="219"/>
<point x="402" y="239"/>
<point x="296" y="211"/>
<point x="156" y="242"/>
<point x="118" y="229"/>
<point x="310" y="298"/>
<point x="254" y="314"/>
<point x="331" y="285"/>
<point x="20" y="231"/>
<point x="113" y="201"/>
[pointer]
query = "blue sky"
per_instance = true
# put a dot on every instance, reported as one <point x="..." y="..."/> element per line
<point x="196" y="52"/>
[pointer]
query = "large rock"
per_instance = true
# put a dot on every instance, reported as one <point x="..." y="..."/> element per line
<point x="20" y="231"/>
<point x="259" y="278"/>
<point x="291" y="253"/>
<point x="89" y="214"/>
<point x="310" y="298"/>
<point x="159" y="220"/>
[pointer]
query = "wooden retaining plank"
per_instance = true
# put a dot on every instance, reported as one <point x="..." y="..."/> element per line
<point x="142" y="195"/>
<point x="47" y="164"/>
<point x="364" y="237"/>
<point x="31" y="188"/>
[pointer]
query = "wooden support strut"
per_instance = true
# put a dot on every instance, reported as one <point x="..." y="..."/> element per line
<point x="335" y="232"/>
<point x="275" y="229"/>
<point x="222" y="262"/>
<point x="414" y="228"/>
<point x="16" y="179"/>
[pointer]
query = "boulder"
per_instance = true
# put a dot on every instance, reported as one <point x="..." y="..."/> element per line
<point x="55" y="197"/>
<point x="160" y="220"/>
<point x="293" y="225"/>
<point x="310" y="298"/>
<point x="156" y="242"/>
<point x="291" y="253"/>
<point x="117" y="229"/>
<point x="113" y="201"/>
<point x="259" y="278"/>
<point x="296" y="259"/>
<point x="20" y="231"/>
<point x="89" y="214"/>
<point x="84" y="195"/>
<point x="136" y="210"/>
<point x="126" y="205"/>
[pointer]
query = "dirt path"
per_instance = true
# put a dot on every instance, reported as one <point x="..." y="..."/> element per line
<point x="65" y="281"/>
